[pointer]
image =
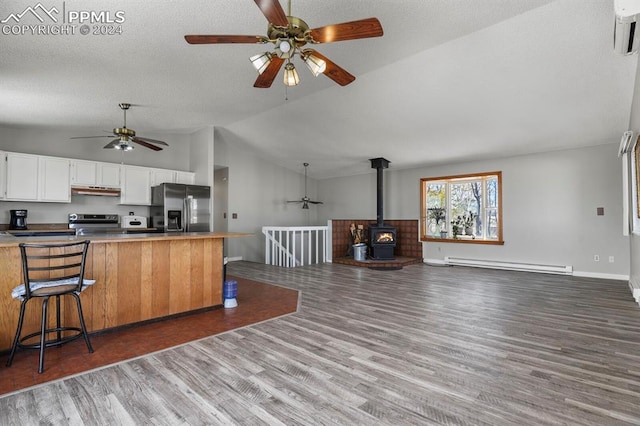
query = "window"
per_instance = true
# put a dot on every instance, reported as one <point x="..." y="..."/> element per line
<point x="464" y="208"/>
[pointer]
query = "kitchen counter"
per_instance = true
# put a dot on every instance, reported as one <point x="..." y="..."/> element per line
<point x="139" y="277"/>
<point x="8" y="240"/>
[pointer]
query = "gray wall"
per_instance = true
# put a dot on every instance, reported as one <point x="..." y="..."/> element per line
<point x="257" y="193"/>
<point x="549" y="208"/>
<point x="550" y="199"/>
<point x="57" y="143"/>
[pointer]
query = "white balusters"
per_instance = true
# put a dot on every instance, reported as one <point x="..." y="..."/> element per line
<point x="291" y="246"/>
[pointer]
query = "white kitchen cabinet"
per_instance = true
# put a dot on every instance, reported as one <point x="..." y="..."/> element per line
<point x="22" y="177"/>
<point x="54" y="179"/>
<point x="83" y="173"/>
<point x="94" y="173"/>
<point x="3" y="175"/>
<point x="37" y="178"/>
<point x="109" y="175"/>
<point x="159" y="176"/>
<point x="135" y="185"/>
<point x="187" y="178"/>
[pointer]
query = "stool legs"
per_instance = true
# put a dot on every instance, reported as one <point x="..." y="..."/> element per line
<point x="43" y="333"/>
<point x="16" y="340"/>
<point x="43" y="330"/>
<point x="82" y="324"/>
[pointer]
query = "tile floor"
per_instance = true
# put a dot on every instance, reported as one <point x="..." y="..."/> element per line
<point x="256" y="302"/>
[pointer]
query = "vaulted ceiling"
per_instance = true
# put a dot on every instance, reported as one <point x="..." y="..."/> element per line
<point x="450" y="80"/>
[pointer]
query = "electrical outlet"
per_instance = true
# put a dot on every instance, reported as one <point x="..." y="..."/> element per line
<point x="596" y="258"/>
<point x="611" y="259"/>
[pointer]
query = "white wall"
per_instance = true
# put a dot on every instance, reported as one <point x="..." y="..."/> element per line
<point x="257" y="193"/>
<point x="634" y="125"/>
<point x="549" y="207"/>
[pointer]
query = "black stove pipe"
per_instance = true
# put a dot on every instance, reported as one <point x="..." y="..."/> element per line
<point x="379" y="164"/>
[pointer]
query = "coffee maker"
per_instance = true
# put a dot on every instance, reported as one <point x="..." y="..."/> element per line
<point x="18" y="219"/>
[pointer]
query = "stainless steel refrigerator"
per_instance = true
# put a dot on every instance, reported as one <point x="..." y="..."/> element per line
<point x="176" y="207"/>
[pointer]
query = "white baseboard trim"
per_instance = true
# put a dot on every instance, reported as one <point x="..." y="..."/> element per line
<point x="509" y="265"/>
<point x="436" y="262"/>
<point x="586" y="274"/>
<point x="635" y="290"/>
<point x="234" y="259"/>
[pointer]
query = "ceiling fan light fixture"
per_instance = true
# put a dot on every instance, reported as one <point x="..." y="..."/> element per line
<point x="291" y="77"/>
<point x="284" y="48"/>
<point x="123" y="147"/>
<point x="316" y="65"/>
<point x="261" y="61"/>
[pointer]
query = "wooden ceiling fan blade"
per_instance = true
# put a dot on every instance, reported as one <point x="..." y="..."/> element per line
<point x="333" y="71"/>
<point x="315" y="202"/>
<point x="219" y="39"/>
<point x="363" y="28"/>
<point x="152" y="141"/>
<point x="273" y="11"/>
<point x="91" y="137"/>
<point x="146" y="144"/>
<point x="265" y="79"/>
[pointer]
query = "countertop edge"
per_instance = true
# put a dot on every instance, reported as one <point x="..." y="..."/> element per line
<point x="13" y="241"/>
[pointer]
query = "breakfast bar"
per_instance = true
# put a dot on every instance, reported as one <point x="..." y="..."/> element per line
<point x="139" y="277"/>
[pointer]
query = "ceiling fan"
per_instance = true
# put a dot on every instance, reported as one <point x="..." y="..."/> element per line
<point x="125" y="135"/>
<point x="289" y="35"/>
<point x="305" y="200"/>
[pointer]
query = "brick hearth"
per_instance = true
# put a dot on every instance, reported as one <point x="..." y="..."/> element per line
<point x="408" y="248"/>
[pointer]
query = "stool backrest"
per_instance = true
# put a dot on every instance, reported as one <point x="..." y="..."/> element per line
<point x="53" y="264"/>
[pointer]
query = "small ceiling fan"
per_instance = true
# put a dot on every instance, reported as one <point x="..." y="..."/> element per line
<point x="289" y="35"/>
<point x="126" y="135"/>
<point x="305" y="200"/>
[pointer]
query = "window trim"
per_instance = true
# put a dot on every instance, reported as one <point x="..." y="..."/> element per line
<point x="423" y="209"/>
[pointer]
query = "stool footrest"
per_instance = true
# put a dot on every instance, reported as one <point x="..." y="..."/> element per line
<point x="51" y="342"/>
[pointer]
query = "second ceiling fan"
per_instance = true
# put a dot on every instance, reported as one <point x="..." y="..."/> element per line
<point x="289" y="35"/>
<point x="124" y="136"/>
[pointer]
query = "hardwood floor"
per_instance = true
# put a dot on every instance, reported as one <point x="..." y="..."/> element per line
<point x="422" y="345"/>
<point x="258" y="302"/>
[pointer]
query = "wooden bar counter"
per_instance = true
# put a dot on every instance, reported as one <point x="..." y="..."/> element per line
<point x="138" y="277"/>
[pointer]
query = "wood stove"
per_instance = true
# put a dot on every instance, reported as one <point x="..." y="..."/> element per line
<point x="382" y="238"/>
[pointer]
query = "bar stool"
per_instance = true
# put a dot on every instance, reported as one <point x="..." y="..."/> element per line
<point x="51" y="270"/>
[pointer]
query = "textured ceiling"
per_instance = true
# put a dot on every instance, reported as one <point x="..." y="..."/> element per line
<point x="449" y="81"/>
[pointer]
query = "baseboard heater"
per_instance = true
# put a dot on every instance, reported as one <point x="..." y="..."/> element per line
<point x="512" y="266"/>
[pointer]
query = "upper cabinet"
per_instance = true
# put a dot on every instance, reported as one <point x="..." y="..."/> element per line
<point x="54" y="179"/>
<point x="3" y="175"/>
<point x="93" y="173"/>
<point x="37" y="178"/>
<point x="187" y="178"/>
<point x="22" y="177"/>
<point x="136" y="185"/>
<point x="28" y="177"/>
<point x="109" y="175"/>
<point x="159" y="176"/>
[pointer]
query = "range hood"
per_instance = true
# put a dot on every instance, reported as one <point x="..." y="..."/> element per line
<point x="95" y="190"/>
